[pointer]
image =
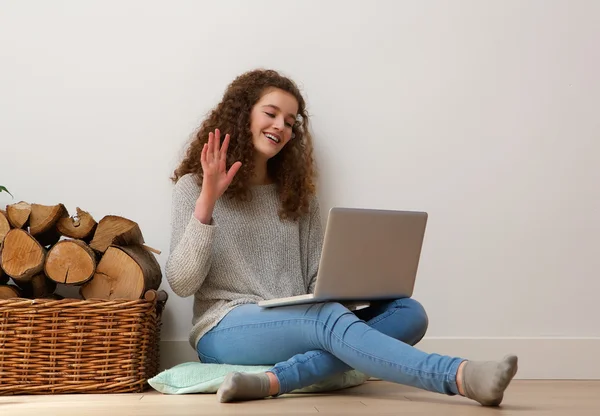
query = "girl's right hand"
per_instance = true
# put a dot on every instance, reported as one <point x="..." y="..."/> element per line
<point x="216" y="179"/>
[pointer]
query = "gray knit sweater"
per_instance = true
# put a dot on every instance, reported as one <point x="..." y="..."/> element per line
<point x="245" y="255"/>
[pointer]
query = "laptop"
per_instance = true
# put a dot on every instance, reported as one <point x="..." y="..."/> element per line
<point x="368" y="255"/>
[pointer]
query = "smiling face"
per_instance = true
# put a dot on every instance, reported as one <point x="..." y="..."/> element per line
<point x="271" y="122"/>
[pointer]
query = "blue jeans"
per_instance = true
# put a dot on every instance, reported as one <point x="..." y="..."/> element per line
<point x="308" y="343"/>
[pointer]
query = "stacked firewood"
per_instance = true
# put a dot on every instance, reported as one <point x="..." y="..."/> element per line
<point x="45" y="253"/>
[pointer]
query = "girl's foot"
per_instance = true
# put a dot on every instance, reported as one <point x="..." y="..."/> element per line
<point x="485" y="381"/>
<point x="246" y="386"/>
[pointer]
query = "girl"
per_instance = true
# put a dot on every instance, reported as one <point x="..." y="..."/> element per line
<point x="246" y="227"/>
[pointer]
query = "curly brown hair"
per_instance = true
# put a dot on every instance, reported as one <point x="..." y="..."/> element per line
<point x="292" y="169"/>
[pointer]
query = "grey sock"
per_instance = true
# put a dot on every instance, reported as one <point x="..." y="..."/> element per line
<point x="243" y="386"/>
<point x="485" y="381"/>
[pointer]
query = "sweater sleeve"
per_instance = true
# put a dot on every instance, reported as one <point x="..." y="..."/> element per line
<point x="191" y="241"/>
<point x="315" y="244"/>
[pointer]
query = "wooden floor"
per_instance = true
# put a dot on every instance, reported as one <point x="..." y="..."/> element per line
<point x="530" y="398"/>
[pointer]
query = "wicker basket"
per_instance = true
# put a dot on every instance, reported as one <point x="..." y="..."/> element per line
<point x="78" y="346"/>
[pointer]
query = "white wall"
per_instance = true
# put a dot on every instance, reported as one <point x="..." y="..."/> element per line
<point x="485" y="114"/>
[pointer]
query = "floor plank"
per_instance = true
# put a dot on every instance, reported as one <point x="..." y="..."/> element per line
<point x="527" y="398"/>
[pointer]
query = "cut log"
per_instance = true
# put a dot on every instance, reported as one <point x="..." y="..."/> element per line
<point x="9" y="292"/>
<point x="18" y="214"/>
<point x="80" y="226"/>
<point x="152" y="295"/>
<point x="70" y="262"/>
<point x="38" y="287"/>
<point x="115" y="230"/>
<point x="22" y="255"/>
<point x="44" y="217"/>
<point x="42" y="222"/>
<point x="123" y="273"/>
<point x="148" y="265"/>
<point x="4" y="226"/>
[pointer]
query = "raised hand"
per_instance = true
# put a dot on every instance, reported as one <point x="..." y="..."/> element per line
<point x="216" y="178"/>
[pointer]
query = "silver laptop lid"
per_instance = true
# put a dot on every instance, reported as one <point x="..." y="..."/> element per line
<point x="370" y="254"/>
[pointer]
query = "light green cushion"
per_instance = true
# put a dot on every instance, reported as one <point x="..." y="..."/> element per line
<point x="195" y="377"/>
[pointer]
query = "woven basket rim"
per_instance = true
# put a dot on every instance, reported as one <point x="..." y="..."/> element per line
<point x="69" y="302"/>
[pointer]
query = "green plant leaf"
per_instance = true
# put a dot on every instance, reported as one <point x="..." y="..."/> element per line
<point x="3" y="189"/>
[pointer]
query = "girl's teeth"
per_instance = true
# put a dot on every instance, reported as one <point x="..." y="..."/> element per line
<point x="272" y="138"/>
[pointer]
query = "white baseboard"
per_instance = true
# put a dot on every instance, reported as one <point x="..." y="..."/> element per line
<point x="539" y="358"/>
